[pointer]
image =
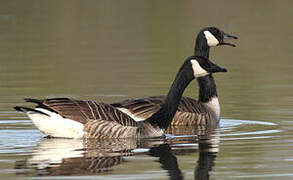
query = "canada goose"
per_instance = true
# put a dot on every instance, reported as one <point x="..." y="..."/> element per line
<point x="63" y="117"/>
<point x="190" y="111"/>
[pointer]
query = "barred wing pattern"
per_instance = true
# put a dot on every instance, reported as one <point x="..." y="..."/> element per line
<point x="84" y="111"/>
<point x="142" y="108"/>
<point x="101" y="129"/>
<point x="100" y="120"/>
<point x="189" y="112"/>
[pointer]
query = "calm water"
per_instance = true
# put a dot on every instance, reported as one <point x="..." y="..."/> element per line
<point x="113" y="50"/>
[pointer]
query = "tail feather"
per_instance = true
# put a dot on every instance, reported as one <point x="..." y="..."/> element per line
<point x="26" y="109"/>
<point x="40" y="103"/>
<point x="51" y="123"/>
<point x="37" y="101"/>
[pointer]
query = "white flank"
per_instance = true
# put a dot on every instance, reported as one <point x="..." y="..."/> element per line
<point x="214" y="105"/>
<point x="212" y="40"/>
<point x="126" y="111"/>
<point x="55" y="125"/>
<point x="198" y="71"/>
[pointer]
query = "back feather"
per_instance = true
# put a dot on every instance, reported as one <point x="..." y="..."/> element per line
<point x="82" y="111"/>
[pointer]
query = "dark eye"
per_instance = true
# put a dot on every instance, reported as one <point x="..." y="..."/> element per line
<point x="221" y="35"/>
<point x="218" y="34"/>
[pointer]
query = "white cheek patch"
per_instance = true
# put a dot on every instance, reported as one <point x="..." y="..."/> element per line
<point x="212" y="40"/>
<point x="198" y="71"/>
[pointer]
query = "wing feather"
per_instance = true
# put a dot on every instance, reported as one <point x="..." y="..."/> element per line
<point x="83" y="111"/>
<point x="189" y="112"/>
<point x="100" y="120"/>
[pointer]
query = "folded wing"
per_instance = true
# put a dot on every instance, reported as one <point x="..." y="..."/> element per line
<point x="189" y="112"/>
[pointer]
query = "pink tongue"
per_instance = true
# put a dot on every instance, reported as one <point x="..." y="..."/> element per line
<point x="229" y="43"/>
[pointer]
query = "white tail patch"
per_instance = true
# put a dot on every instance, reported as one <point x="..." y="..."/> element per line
<point x="198" y="71"/>
<point x="212" y="40"/>
<point x="126" y="111"/>
<point x="214" y="105"/>
<point x="55" y="125"/>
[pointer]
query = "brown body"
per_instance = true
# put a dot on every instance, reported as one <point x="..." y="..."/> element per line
<point x="99" y="120"/>
<point x="189" y="113"/>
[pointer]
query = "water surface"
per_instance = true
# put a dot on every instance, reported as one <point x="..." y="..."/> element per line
<point x="112" y="50"/>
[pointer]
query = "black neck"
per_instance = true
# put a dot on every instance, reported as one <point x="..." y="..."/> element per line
<point x="207" y="83"/>
<point x="164" y="116"/>
<point x="201" y="47"/>
<point x="207" y="88"/>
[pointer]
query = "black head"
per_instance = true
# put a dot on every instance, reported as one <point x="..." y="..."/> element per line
<point x="216" y="37"/>
<point x="202" y="66"/>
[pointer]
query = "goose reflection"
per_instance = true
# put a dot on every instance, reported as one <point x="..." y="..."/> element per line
<point x="208" y="140"/>
<point x="167" y="160"/>
<point x="67" y="157"/>
<point x="82" y="157"/>
<point x="208" y="148"/>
